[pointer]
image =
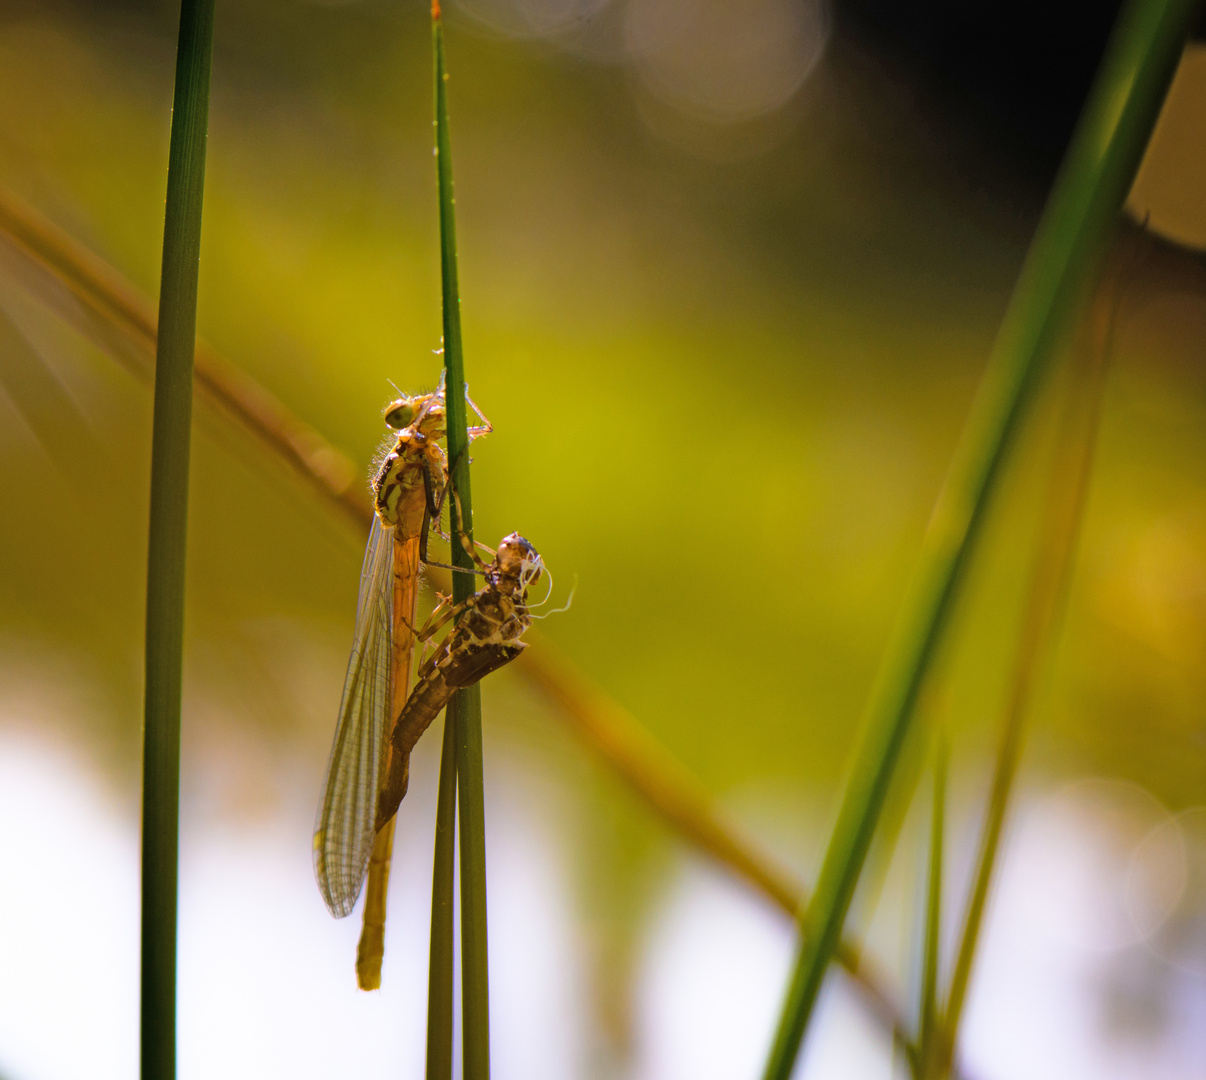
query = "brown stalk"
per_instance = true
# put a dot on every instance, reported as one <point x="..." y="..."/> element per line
<point x="101" y="303"/>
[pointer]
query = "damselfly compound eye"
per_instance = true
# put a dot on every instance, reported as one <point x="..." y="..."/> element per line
<point x="399" y="414"/>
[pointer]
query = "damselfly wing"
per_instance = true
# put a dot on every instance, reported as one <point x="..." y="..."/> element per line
<point x="347" y="809"/>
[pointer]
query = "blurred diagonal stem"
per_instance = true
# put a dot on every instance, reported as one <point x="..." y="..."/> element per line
<point x="1064" y="510"/>
<point x="1096" y="175"/>
<point x="166" y="546"/>
<point x="465" y="707"/>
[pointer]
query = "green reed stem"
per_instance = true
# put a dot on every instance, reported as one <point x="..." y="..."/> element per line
<point x="454" y="360"/>
<point x="475" y="996"/>
<point x="166" y="545"/>
<point x="1097" y="172"/>
<point x="465" y="708"/>
<point x="443" y="879"/>
<point x="933" y="917"/>
<point x="1066" y="496"/>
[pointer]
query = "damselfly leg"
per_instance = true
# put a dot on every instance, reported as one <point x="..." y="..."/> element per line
<point x="466" y="542"/>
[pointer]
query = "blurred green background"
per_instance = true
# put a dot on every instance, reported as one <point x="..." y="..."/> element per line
<point x="729" y="274"/>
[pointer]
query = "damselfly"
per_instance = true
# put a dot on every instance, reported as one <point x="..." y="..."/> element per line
<point x="364" y="774"/>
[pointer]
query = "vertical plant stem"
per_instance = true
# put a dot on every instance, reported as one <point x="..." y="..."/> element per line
<point x="454" y="363"/>
<point x="443" y="878"/>
<point x="464" y="710"/>
<point x="166" y="545"/>
<point x="1096" y="174"/>
<point x="475" y="995"/>
<point x="1066" y="495"/>
<point x="933" y="916"/>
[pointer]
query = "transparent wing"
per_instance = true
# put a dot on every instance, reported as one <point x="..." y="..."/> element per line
<point x="343" y="832"/>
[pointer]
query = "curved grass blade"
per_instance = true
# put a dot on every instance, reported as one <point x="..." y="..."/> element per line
<point x="1097" y="172"/>
<point x="166" y="545"/>
<point x="464" y="709"/>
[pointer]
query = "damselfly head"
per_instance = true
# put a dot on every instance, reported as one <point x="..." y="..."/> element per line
<point x="517" y="561"/>
<point x="399" y="413"/>
<point x="422" y="411"/>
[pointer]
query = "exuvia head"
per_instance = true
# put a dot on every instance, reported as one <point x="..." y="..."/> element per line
<point x="516" y="560"/>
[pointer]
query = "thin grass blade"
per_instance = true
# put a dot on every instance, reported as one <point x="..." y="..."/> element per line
<point x="923" y="1068"/>
<point x="166" y="551"/>
<point x="1059" y="269"/>
<point x="440" y="961"/>
<point x="464" y="709"/>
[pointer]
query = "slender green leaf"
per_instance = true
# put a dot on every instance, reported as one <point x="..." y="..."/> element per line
<point x="454" y="362"/>
<point x="1060" y="267"/>
<point x="165" y="556"/>
<point x="443" y="879"/>
<point x="933" y="917"/>
<point x="475" y="998"/>
<point x="464" y="709"/>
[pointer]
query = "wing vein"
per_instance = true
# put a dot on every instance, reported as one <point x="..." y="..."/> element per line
<point x="343" y="831"/>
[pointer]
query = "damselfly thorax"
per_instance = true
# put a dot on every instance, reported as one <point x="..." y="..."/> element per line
<point x="413" y="470"/>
